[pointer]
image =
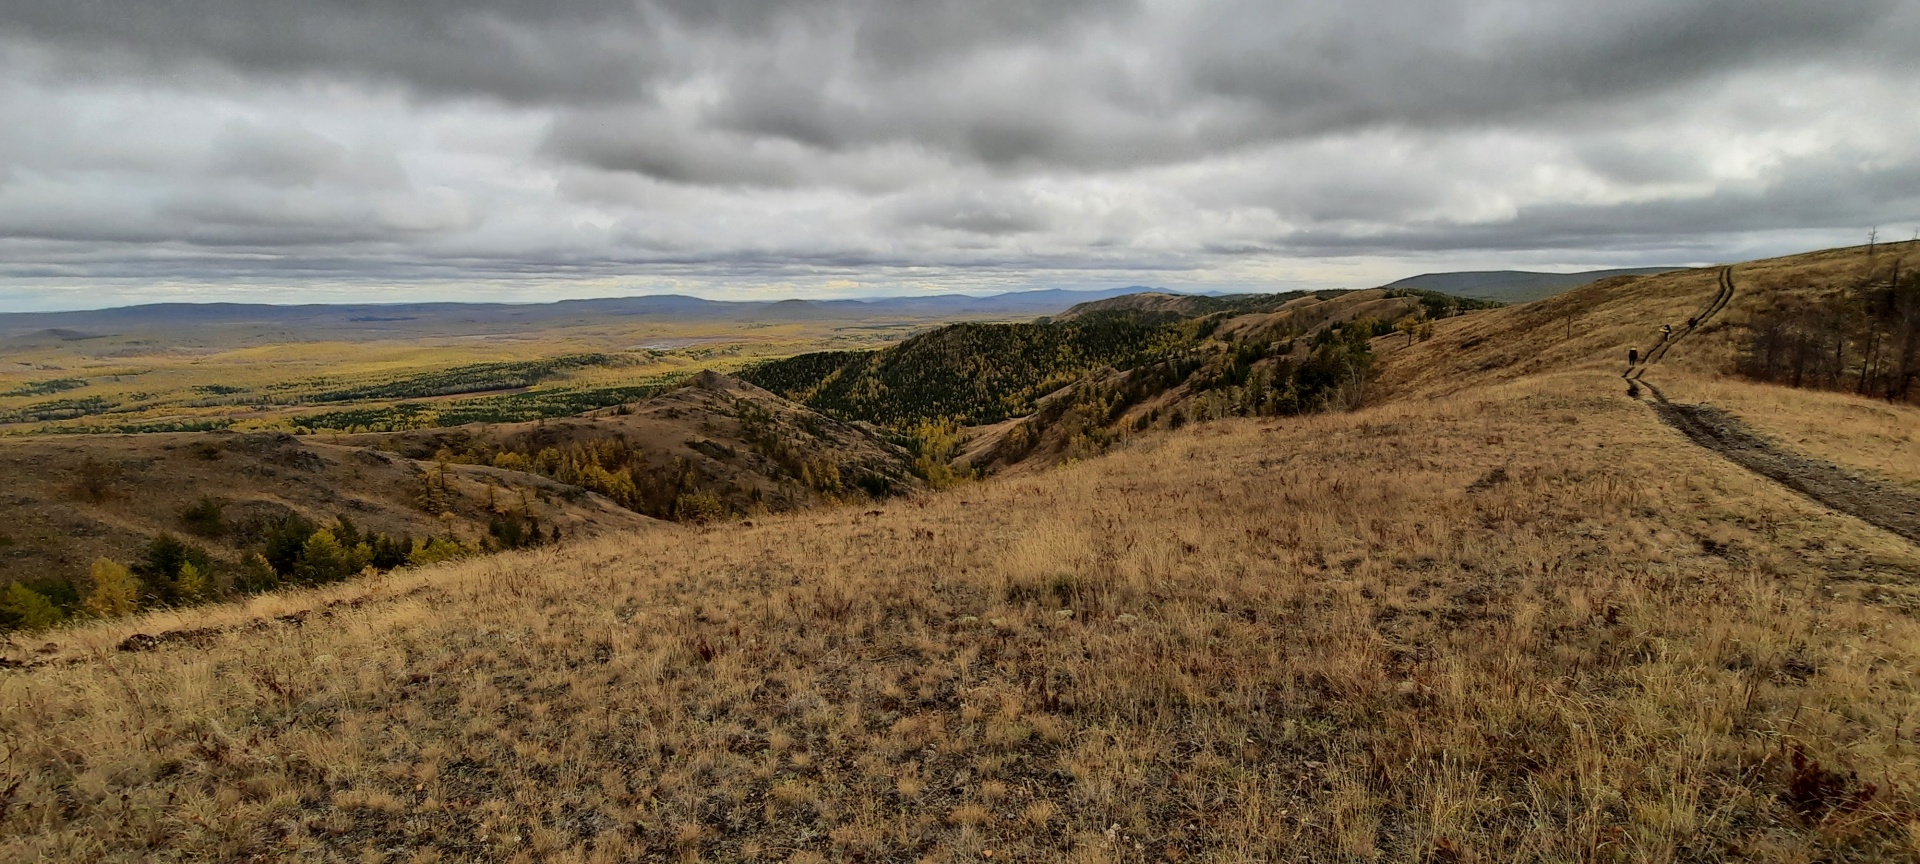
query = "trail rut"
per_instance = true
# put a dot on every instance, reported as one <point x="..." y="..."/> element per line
<point x="1889" y="506"/>
<point x="1880" y="503"/>
<point x="1712" y="307"/>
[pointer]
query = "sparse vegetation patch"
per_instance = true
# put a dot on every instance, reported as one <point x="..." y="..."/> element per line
<point x="46" y="388"/>
<point x="474" y="378"/>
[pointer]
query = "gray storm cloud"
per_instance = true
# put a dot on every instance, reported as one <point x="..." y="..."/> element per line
<point x="760" y="147"/>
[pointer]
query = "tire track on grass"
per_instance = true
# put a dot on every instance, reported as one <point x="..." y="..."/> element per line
<point x="1880" y="503"/>
<point x="1885" y="505"/>
<point x="1721" y="297"/>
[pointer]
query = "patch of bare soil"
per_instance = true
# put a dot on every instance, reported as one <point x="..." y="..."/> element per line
<point x="1878" y="503"/>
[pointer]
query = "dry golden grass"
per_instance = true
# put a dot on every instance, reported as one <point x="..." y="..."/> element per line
<point x="1862" y="434"/>
<point x="1593" y="327"/>
<point x="53" y="529"/>
<point x="158" y="374"/>
<point x="1526" y="622"/>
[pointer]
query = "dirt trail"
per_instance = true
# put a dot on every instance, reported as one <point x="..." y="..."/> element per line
<point x="1876" y="502"/>
<point x="1711" y="308"/>
<point x="1887" y="505"/>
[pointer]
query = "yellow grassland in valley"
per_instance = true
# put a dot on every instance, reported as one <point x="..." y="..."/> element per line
<point x="264" y="384"/>
<point x="259" y="380"/>
<point x="1524" y="621"/>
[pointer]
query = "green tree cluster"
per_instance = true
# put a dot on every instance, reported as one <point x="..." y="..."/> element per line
<point x="934" y="444"/>
<point x="977" y="373"/>
<point x="38" y="604"/>
<point x="172" y="573"/>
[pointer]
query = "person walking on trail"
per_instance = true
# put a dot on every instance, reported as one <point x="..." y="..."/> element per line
<point x="1633" y="358"/>
<point x="1666" y="332"/>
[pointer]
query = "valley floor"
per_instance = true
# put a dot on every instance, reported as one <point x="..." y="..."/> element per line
<point x="1522" y="622"/>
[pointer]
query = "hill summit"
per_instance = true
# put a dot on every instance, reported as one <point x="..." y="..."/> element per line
<point x="1514" y="286"/>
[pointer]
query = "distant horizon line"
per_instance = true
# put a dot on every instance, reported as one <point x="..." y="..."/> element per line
<point x="1130" y="289"/>
<point x="874" y="299"/>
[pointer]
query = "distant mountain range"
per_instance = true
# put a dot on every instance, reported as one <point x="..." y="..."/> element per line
<point x="397" y="319"/>
<point x="1514" y="286"/>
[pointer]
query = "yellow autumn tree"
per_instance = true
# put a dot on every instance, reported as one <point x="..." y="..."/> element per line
<point x="937" y="442"/>
<point x="192" y="585"/>
<point x="435" y="550"/>
<point x="28" y="609"/>
<point x="116" y="591"/>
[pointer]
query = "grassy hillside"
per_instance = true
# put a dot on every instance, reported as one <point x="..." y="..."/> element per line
<point x="714" y="448"/>
<point x="71" y="500"/>
<point x="1503" y="611"/>
<point x="1521" y="622"/>
<point x="1514" y="286"/>
<point x="1595" y="326"/>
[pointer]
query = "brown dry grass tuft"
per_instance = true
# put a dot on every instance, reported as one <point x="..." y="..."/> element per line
<point x="1526" y="622"/>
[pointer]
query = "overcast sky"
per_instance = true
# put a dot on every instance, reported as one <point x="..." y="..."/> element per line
<point x="317" y="150"/>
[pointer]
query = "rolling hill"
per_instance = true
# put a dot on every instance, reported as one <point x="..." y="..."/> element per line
<point x="1594" y="326"/>
<point x="731" y="447"/>
<point x="712" y="448"/>
<point x="1077" y="383"/>
<point x="1509" y="607"/>
<point x="1514" y="286"/>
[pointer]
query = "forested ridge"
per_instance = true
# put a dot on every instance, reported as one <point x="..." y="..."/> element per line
<point x="978" y="374"/>
<point x="1165" y="308"/>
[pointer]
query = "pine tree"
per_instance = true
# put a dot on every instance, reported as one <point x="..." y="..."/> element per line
<point x="159" y="571"/>
<point x="325" y="559"/>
